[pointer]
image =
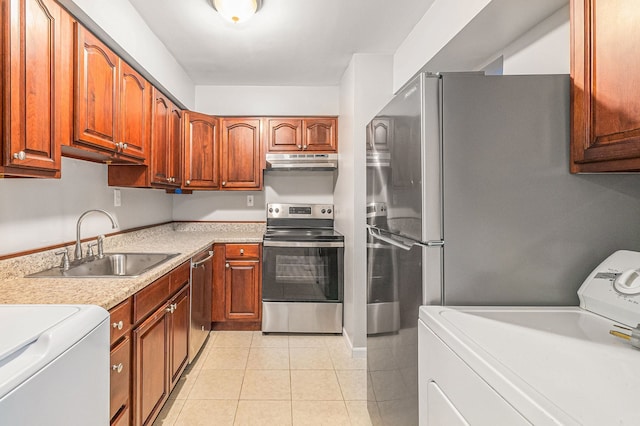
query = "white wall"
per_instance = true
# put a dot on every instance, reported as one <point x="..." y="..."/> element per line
<point x="545" y="49"/>
<point x="267" y="100"/>
<point x="121" y="21"/>
<point x="280" y="187"/>
<point x="442" y="22"/>
<point x="41" y="212"/>
<point x="365" y="88"/>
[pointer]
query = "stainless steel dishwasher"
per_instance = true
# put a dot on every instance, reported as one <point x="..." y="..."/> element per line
<point x="201" y="287"/>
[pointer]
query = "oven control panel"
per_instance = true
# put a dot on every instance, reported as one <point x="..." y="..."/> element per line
<point x="613" y="288"/>
<point x="300" y="211"/>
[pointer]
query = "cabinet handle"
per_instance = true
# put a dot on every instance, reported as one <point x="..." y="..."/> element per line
<point x="117" y="368"/>
<point x="119" y="325"/>
<point x="226" y="265"/>
<point x="20" y="155"/>
<point x="188" y="182"/>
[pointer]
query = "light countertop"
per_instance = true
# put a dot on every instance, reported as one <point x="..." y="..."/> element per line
<point x="185" y="238"/>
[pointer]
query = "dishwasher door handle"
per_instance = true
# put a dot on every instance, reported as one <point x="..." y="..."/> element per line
<point x="200" y="262"/>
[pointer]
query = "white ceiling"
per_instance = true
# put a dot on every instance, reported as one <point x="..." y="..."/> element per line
<point x="288" y="42"/>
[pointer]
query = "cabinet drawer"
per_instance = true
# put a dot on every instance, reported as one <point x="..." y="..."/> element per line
<point x="242" y="251"/>
<point x="179" y="276"/>
<point x="151" y="297"/>
<point x="122" y="419"/>
<point x="120" y="369"/>
<point x="120" y="320"/>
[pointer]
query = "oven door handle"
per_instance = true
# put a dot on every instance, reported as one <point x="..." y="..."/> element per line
<point x="304" y="244"/>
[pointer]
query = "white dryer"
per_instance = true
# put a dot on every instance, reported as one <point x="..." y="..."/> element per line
<point x="536" y="365"/>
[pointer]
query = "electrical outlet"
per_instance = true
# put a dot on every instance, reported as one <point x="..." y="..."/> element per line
<point x="249" y="200"/>
<point x="117" y="200"/>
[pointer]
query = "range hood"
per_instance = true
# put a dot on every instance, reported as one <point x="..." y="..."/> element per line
<point x="314" y="162"/>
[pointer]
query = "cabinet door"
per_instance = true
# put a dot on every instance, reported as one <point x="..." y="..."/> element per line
<point x="160" y="149"/>
<point x="96" y="98"/>
<point x="151" y="373"/>
<point x="284" y="135"/>
<point x="179" y="325"/>
<point x="175" y="145"/>
<point x="36" y="107"/>
<point x="240" y="156"/>
<point x="200" y="151"/>
<point x="320" y="134"/>
<point x="134" y="112"/>
<point x="605" y="93"/>
<point x="242" y="290"/>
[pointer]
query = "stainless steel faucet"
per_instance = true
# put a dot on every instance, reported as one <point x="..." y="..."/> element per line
<point x="78" y="248"/>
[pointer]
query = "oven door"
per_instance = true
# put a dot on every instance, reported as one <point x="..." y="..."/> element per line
<point x="309" y="271"/>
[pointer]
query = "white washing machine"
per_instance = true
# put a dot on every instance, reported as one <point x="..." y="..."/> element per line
<point x="536" y="365"/>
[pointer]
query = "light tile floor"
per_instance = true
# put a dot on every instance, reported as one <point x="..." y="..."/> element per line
<point x="246" y="378"/>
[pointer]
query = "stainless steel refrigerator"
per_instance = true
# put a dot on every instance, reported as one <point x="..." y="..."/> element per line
<point x="470" y="202"/>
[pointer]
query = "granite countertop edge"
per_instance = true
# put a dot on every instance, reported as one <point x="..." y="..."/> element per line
<point x="109" y="292"/>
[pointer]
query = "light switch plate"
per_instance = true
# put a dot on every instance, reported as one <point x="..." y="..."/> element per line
<point x="117" y="200"/>
<point x="249" y="200"/>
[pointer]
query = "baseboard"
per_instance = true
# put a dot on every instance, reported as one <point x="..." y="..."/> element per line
<point x="356" y="352"/>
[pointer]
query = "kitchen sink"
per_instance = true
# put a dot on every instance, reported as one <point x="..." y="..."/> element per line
<point x="111" y="265"/>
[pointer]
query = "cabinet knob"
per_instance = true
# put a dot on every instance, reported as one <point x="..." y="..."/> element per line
<point x="241" y="252"/>
<point x="224" y="183"/>
<point x="119" y="325"/>
<point x="125" y="146"/>
<point x="299" y="146"/>
<point x="304" y="147"/>
<point x="20" y="155"/>
<point x="169" y="309"/>
<point x="226" y="265"/>
<point x="117" y="367"/>
<point x="188" y="182"/>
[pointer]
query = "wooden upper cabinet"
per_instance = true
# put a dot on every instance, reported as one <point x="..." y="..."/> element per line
<point x="96" y="97"/>
<point x="240" y="154"/>
<point x="320" y="134"/>
<point x="113" y="103"/>
<point x="134" y="127"/>
<point x="302" y="134"/>
<point x="284" y="134"/>
<point x="606" y="86"/>
<point x="165" y="142"/>
<point x="36" y="89"/>
<point x="175" y="144"/>
<point x="201" y="151"/>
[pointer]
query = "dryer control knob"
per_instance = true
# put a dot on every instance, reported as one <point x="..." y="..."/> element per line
<point x="628" y="282"/>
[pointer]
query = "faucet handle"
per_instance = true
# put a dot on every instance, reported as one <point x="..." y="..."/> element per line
<point x="90" y="247"/>
<point x="100" y="246"/>
<point x="64" y="263"/>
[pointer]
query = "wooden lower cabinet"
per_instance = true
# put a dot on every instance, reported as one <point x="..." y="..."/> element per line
<point x="237" y="288"/>
<point x="179" y="334"/>
<point x="120" y="378"/>
<point x="149" y="347"/>
<point x="160" y="353"/>
<point x="151" y="381"/>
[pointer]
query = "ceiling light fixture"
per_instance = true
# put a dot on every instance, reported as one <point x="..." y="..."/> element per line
<point x="236" y="10"/>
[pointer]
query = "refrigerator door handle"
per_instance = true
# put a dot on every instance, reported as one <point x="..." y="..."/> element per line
<point x="376" y="233"/>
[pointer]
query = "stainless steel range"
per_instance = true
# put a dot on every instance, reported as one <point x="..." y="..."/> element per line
<point x="302" y="272"/>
